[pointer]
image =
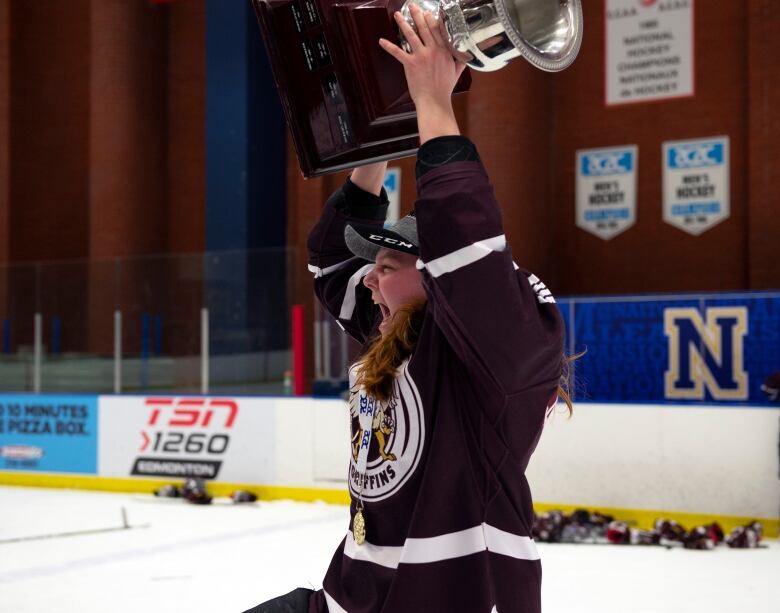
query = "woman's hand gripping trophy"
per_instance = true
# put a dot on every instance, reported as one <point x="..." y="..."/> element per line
<point x="431" y="73"/>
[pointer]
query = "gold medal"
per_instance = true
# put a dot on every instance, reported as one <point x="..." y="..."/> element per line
<point x="359" y="528"/>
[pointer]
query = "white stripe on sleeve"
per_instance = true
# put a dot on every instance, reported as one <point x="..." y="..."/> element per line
<point x="508" y="544"/>
<point x="321" y="272"/>
<point x="444" y="547"/>
<point x="350" y="300"/>
<point x="384" y="556"/>
<point x="464" y="256"/>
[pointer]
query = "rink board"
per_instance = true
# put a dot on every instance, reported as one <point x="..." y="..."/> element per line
<point x="639" y="461"/>
<point x="49" y="433"/>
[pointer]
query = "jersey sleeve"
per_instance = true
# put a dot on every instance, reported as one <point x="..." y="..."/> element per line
<point x="338" y="274"/>
<point x="501" y="321"/>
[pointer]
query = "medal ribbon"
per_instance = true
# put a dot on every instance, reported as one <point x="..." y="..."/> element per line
<point x="367" y="406"/>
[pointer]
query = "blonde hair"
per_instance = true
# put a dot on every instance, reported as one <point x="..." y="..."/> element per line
<point x="566" y="382"/>
<point x="388" y="351"/>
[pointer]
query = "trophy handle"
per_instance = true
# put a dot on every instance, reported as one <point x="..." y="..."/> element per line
<point x="488" y="34"/>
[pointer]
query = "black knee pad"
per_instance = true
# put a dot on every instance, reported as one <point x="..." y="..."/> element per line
<point x="296" y="601"/>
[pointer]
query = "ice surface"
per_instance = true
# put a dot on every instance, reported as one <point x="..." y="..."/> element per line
<point x="226" y="558"/>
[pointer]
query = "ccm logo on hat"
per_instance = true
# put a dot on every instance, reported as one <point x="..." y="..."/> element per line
<point x="390" y="241"/>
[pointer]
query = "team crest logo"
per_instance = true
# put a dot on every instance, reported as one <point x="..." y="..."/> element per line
<point x="395" y="439"/>
<point x="706" y="353"/>
<point x="382" y="426"/>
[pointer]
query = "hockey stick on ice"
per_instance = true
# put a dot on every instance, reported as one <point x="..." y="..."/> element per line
<point x="36" y="537"/>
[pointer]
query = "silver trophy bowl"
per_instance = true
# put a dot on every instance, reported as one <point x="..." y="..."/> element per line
<point x="488" y="34"/>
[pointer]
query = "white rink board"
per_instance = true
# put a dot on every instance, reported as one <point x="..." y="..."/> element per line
<point x="233" y="436"/>
<point x="296" y="442"/>
<point x="713" y="460"/>
<point x="695" y="459"/>
<point x="312" y="439"/>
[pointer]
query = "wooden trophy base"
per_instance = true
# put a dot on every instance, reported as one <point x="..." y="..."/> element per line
<point x="345" y="99"/>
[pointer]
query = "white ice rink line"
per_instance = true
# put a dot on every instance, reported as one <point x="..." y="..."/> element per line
<point x="224" y="558"/>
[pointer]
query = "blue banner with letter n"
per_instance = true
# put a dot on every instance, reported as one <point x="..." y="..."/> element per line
<point x="680" y="349"/>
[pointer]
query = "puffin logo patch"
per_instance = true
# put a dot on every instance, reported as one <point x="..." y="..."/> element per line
<point x="394" y="441"/>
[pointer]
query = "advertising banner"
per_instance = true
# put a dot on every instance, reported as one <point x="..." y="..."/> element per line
<point x="48" y="433"/>
<point x="696" y="349"/>
<point x="696" y="183"/>
<point x="218" y="438"/>
<point x="606" y="190"/>
<point x="649" y="50"/>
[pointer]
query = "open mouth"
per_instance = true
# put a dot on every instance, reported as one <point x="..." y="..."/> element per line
<point x="385" y="311"/>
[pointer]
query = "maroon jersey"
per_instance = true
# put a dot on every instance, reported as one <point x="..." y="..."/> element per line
<point x="448" y="509"/>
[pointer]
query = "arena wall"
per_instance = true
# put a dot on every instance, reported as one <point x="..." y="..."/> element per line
<point x="637" y="462"/>
<point x="701" y="460"/>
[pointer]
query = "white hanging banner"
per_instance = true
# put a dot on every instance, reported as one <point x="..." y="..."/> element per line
<point x="606" y="190"/>
<point x="696" y="183"/>
<point x="649" y="50"/>
<point x="393" y="188"/>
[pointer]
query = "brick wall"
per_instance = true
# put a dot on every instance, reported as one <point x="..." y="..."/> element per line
<point x="50" y="47"/>
<point x="763" y="147"/>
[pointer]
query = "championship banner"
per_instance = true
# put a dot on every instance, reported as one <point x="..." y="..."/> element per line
<point x="649" y="50"/>
<point x="48" y="433"/>
<point x="215" y="438"/>
<point x="696" y="183"/>
<point x="606" y="190"/>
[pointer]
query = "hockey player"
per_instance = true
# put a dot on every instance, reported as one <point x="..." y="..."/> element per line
<point x="461" y="363"/>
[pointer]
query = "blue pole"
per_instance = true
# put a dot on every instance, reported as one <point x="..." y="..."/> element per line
<point x="56" y="335"/>
<point x="145" y="336"/>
